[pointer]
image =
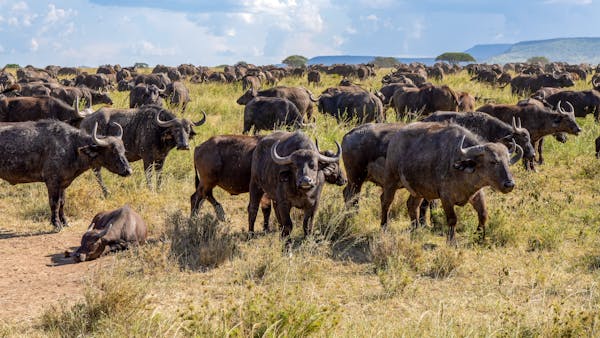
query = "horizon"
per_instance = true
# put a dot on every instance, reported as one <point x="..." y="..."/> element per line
<point x="95" y="32"/>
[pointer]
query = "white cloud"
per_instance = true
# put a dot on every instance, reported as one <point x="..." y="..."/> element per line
<point x="55" y="14"/>
<point x="146" y="48"/>
<point x="33" y="45"/>
<point x="371" y="17"/>
<point x="230" y="32"/>
<point x="20" y="6"/>
<point x="1" y="49"/>
<point x="12" y="21"/>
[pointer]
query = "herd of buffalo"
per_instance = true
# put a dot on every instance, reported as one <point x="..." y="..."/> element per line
<point x="450" y="152"/>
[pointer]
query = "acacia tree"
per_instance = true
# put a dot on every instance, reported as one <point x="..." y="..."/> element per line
<point x="455" y="57"/>
<point x="538" y="59"/>
<point x="295" y="61"/>
<point x="385" y="61"/>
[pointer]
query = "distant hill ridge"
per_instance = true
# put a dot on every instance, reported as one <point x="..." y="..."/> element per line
<point x="571" y="50"/>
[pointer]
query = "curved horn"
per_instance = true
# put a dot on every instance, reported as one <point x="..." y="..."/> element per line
<point x="165" y="124"/>
<point x="519" y="123"/>
<point x="518" y="153"/>
<point x="312" y="98"/>
<point x="331" y="159"/>
<point x="162" y="88"/>
<point x="278" y="159"/>
<point x="105" y="231"/>
<point x="98" y="141"/>
<point x="201" y="122"/>
<point x="559" y="107"/>
<point x="469" y="151"/>
<point x="514" y="124"/>
<point x="90" y="227"/>
<point x="317" y="145"/>
<point x="120" y="133"/>
<point x="594" y="83"/>
<point x="571" y="108"/>
<point x="77" y="112"/>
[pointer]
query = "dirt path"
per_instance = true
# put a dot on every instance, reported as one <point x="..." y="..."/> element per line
<point x="35" y="274"/>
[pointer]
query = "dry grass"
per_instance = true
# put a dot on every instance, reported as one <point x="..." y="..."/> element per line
<point x="536" y="274"/>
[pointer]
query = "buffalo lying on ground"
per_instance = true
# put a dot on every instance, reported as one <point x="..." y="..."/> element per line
<point x="118" y="229"/>
<point x="20" y="109"/>
<point x="226" y="161"/>
<point x="56" y="153"/>
<point x="300" y="96"/>
<point x="448" y="162"/>
<point x="285" y="166"/>
<point x="149" y="134"/>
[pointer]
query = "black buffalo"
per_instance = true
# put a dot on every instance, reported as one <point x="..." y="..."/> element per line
<point x="267" y="113"/>
<point x="56" y="153"/>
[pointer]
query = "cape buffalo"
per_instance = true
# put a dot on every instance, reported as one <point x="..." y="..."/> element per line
<point x="178" y="94"/>
<point x="20" y="109"/>
<point x="143" y="94"/>
<point x="352" y="105"/>
<point x="531" y="83"/>
<point x="436" y="160"/>
<point x="314" y="77"/>
<point x="584" y="102"/>
<point x="267" y="113"/>
<point x="117" y="228"/>
<point x="539" y="121"/>
<point x="56" y="153"/>
<point x="149" y="133"/>
<point x="286" y="166"/>
<point x="424" y="100"/>
<point x="226" y="161"/>
<point x="300" y="96"/>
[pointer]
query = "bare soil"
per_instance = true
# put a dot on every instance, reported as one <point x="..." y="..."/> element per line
<point x="34" y="272"/>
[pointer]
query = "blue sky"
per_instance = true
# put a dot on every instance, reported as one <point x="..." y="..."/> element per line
<point x="93" y="32"/>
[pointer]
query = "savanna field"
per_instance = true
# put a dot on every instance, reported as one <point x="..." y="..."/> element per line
<point x="536" y="274"/>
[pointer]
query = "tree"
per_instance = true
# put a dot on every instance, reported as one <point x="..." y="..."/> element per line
<point x="242" y="64"/>
<point x="455" y="57"/>
<point x="385" y="61"/>
<point x="295" y="61"/>
<point x="538" y="59"/>
<point x="12" y="65"/>
<point x="140" y="65"/>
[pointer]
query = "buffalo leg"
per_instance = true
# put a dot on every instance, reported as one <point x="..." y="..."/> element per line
<point x="265" y="207"/>
<point x="422" y="212"/>
<point x="54" y="199"/>
<point x="414" y="204"/>
<point x="256" y="194"/>
<point x="352" y="193"/>
<point x="158" y="167"/>
<point x="478" y="203"/>
<point x="540" y="151"/>
<point x="218" y="207"/>
<point x="387" y="197"/>
<point x="61" y="213"/>
<point x="196" y="201"/>
<point x="282" y="211"/>
<point x="98" y="174"/>
<point x="307" y="222"/>
<point x="450" y="219"/>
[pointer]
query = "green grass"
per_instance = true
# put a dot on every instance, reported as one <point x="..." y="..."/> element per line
<point x="535" y="275"/>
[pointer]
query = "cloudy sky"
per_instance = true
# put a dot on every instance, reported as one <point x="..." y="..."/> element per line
<point x="211" y="32"/>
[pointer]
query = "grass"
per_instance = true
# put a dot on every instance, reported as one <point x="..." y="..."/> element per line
<point x="536" y="274"/>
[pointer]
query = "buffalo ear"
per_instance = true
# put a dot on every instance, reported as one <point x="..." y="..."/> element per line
<point x="91" y="150"/>
<point x="467" y="165"/>
<point x="284" y="176"/>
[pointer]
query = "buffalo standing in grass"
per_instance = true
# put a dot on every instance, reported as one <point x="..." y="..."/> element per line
<point x="226" y="161"/>
<point x="117" y="229"/>
<point x="584" y="102"/>
<point x="267" y="113"/>
<point x="285" y="166"/>
<point x="143" y="94"/>
<point x="436" y="160"/>
<point x="531" y="83"/>
<point x="361" y="106"/>
<point x="178" y="94"/>
<point x="149" y="134"/>
<point x="20" y="109"/>
<point x="300" y="96"/>
<point x="56" y="153"/>
<point x="424" y="100"/>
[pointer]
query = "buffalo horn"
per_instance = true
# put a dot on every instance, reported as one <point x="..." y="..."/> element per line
<point x="105" y="231"/>
<point x="165" y="124"/>
<point x="518" y="153"/>
<point x="98" y="141"/>
<point x="90" y="227"/>
<point x="278" y="159"/>
<point x="519" y="123"/>
<point x="469" y="151"/>
<point x="331" y="159"/>
<point x="201" y="122"/>
<point x="594" y="83"/>
<point x="77" y="108"/>
<point x="315" y="99"/>
<point x="514" y="124"/>
<point x="120" y="133"/>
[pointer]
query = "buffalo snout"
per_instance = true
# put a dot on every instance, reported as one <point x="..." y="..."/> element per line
<point x="183" y="147"/>
<point x="508" y="186"/>
<point x="306" y="182"/>
<point x="126" y="172"/>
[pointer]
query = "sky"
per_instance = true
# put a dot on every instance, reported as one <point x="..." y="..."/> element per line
<point x="213" y="32"/>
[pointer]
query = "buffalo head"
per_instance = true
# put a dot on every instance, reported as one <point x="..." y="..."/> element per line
<point x="304" y="164"/>
<point x="247" y="97"/>
<point x="179" y="130"/>
<point x="92" y="244"/>
<point x="566" y="119"/>
<point x="108" y="152"/>
<point x="489" y="163"/>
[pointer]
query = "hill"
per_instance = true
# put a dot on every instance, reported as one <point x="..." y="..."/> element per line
<point x="571" y="50"/>
<point x="329" y="60"/>
<point x="486" y="51"/>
